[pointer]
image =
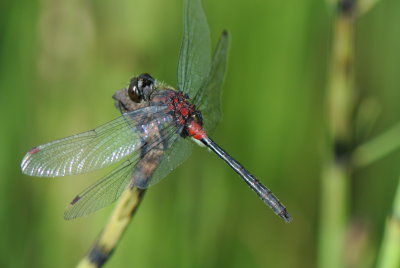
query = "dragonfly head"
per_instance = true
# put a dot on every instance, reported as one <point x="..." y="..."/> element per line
<point x="141" y="87"/>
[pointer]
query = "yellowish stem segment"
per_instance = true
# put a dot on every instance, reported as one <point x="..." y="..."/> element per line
<point x="116" y="225"/>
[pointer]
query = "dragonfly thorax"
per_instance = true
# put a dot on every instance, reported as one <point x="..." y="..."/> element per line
<point x="183" y="111"/>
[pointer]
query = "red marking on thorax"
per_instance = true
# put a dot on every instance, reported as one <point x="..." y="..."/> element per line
<point x="185" y="114"/>
<point x="184" y="111"/>
<point x="178" y="104"/>
<point x="196" y="130"/>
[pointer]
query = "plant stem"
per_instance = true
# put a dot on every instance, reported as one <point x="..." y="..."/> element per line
<point x="378" y="147"/>
<point x="335" y="181"/>
<point x="389" y="255"/>
<point x="366" y="5"/>
<point x="112" y="232"/>
<point x="335" y="177"/>
<point x="333" y="216"/>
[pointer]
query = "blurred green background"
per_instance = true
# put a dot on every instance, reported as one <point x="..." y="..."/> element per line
<point x="60" y="62"/>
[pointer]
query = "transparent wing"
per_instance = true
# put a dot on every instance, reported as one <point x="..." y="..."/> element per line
<point x="195" y="53"/>
<point x="102" y="193"/>
<point x="208" y="100"/>
<point x="109" y="188"/>
<point x="90" y="150"/>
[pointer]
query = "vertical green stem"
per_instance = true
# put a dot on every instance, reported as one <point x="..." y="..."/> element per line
<point x="335" y="178"/>
<point x="335" y="175"/>
<point x="333" y="216"/>
<point x="389" y="255"/>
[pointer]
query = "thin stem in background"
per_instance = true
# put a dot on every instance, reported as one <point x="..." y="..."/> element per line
<point x="335" y="175"/>
<point x="377" y="147"/>
<point x="335" y="178"/>
<point x="389" y="254"/>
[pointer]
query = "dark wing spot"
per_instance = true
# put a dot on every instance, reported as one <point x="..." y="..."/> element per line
<point x="34" y="150"/>
<point x="76" y="199"/>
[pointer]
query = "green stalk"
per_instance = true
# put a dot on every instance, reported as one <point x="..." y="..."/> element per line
<point x="333" y="216"/>
<point x="335" y="177"/>
<point x="366" y="5"/>
<point x="378" y="147"/>
<point x="389" y="254"/>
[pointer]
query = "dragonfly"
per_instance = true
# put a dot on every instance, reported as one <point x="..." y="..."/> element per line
<point x="155" y="131"/>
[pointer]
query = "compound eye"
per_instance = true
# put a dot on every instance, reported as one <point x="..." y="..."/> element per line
<point x="147" y="80"/>
<point x="135" y="91"/>
<point x="141" y="88"/>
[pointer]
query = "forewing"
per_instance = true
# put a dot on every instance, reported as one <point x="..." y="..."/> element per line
<point x="109" y="188"/>
<point x="90" y="150"/>
<point x="195" y="53"/>
<point x="209" y="98"/>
